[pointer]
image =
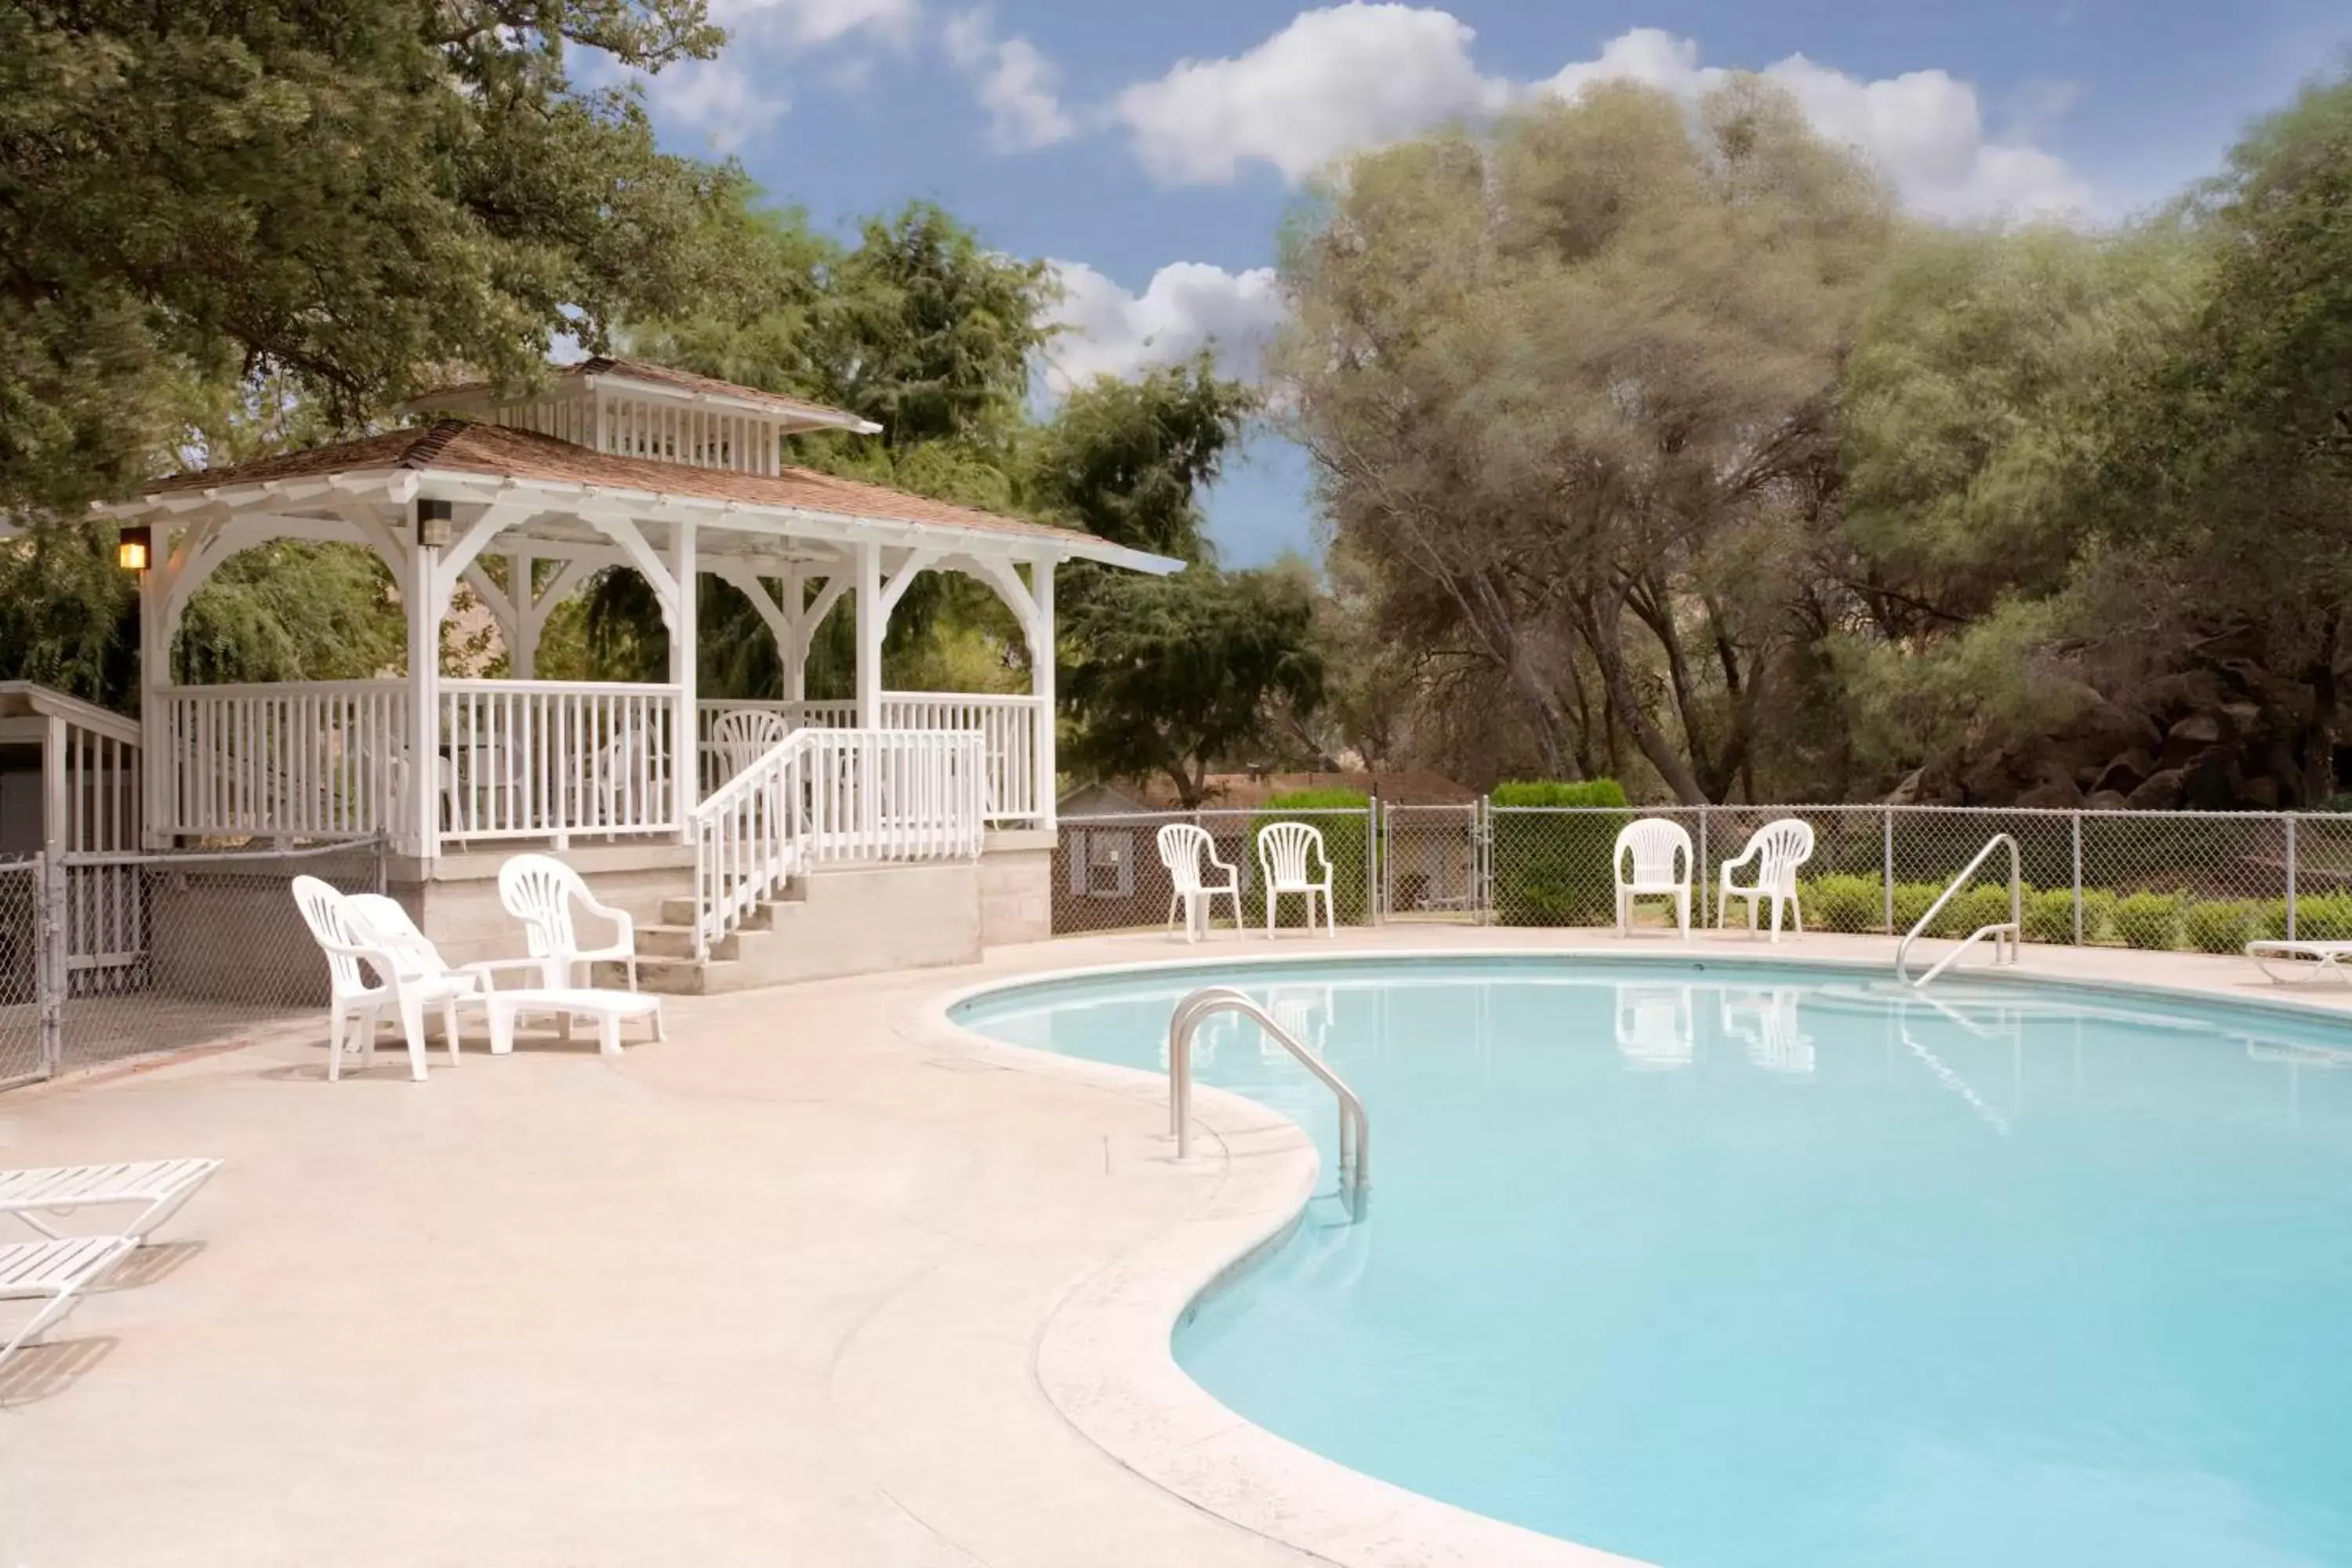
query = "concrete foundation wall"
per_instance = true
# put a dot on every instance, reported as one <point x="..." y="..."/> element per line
<point x="865" y="920"/>
<point x="1016" y="888"/>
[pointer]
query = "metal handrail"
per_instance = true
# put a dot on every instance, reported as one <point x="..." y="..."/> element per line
<point x="2013" y="928"/>
<point x="1355" y="1157"/>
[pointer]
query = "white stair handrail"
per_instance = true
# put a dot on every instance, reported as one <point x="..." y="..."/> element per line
<point x="1355" y="1154"/>
<point x="747" y="837"/>
<point x="832" y="795"/>
<point x="2012" y="929"/>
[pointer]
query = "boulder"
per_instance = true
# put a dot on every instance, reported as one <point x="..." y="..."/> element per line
<point x="2210" y="782"/>
<point x="2125" y="773"/>
<point x="2190" y="736"/>
<point x="2107" y="800"/>
<point x="2260" y="794"/>
<point x="2052" y="795"/>
<point x="2160" y="792"/>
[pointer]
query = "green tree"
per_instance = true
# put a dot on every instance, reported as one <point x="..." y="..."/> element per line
<point x="357" y="195"/>
<point x="1176" y="673"/>
<point x="1567" y="390"/>
<point x="1127" y="460"/>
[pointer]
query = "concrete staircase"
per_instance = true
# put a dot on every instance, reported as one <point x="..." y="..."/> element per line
<point x="853" y="920"/>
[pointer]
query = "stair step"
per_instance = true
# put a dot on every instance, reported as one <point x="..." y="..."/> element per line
<point x="685" y="976"/>
<point x="677" y="941"/>
<point x="679" y="912"/>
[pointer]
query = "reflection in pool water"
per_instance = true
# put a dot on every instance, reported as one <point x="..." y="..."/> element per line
<point x="1741" y="1265"/>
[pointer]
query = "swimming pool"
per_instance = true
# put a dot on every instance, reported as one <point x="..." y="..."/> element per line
<point x="1717" y="1264"/>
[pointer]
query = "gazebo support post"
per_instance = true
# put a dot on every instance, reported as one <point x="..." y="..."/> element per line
<point x="685" y="746"/>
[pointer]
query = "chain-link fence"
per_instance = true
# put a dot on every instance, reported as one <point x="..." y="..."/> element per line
<point x="2205" y="881"/>
<point x="104" y="957"/>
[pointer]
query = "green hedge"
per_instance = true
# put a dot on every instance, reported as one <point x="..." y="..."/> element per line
<point x="1343" y="841"/>
<point x="1554" y="870"/>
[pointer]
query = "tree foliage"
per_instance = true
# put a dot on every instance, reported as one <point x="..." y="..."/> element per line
<point x="1670" y="452"/>
<point x="356" y="196"/>
<point x="1177" y="673"/>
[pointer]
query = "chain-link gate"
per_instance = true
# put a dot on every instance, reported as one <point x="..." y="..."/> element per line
<point x="109" y="956"/>
<point x="1433" y="863"/>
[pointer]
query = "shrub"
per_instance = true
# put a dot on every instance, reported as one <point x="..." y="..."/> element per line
<point x="1343" y="841"/>
<point x="2221" y="925"/>
<point x="2050" y="916"/>
<point x="1911" y="901"/>
<point x="1838" y="902"/>
<point x="1973" y="909"/>
<point x="2322" y="917"/>
<point x="2098" y="914"/>
<point x="2148" y="920"/>
<point x="1551" y="867"/>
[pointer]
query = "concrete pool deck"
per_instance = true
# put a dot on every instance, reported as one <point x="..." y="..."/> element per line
<point x="812" y="1283"/>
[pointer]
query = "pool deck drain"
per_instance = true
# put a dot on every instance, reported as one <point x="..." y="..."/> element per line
<point x="777" y="1291"/>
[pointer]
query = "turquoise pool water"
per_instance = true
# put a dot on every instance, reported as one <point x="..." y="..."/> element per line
<point x="1715" y="1266"/>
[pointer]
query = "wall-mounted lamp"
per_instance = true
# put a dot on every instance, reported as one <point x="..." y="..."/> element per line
<point x="432" y="521"/>
<point x="131" y="547"/>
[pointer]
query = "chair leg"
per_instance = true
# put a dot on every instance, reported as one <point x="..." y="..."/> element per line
<point x="1682" y="912"/>
<point x="411" y="1025"/>
<point x="659" y="1032"/>
<point x="608" y="1033"/>
<point x="1776" y="917"/>
<point x="449" y="1027"/>
<point x="334" y="1041"/>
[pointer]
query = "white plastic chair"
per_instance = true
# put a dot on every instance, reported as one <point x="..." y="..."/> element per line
<point x="741" y="736"/>
<point x="354" y="1002"/>
<point x="1287" y="853"/>
<point x="1652" y="860"/>
<point x="1776" y="852"/>
<point x="1182" y="848"/>
<point x="389" y="924"/>
<point x="540" y="890"/>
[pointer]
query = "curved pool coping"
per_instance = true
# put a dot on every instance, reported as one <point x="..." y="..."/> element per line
<point x="1105" y="1358"/>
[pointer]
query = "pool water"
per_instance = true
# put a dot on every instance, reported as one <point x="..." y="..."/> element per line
<point x="1715" y="1264"/>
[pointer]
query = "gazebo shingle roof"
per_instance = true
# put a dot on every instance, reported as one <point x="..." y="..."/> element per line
<point x="462" y="446"/>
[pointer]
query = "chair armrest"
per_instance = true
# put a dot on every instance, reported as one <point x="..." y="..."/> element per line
<point x="625" y="929"/>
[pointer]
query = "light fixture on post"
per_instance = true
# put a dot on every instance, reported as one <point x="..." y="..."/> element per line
<point x="432" y="518"/>
<point x="131" y="547"/>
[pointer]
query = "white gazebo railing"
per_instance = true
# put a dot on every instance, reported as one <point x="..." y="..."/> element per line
<point x="533" y="759"/>
<point x="831" y="795"/>
<point x="311" y="759"/>
<point x="537" y="759"/>
<point x="1008" y="728"/>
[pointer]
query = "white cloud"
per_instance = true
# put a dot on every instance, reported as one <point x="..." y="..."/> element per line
<point x="1333" y="80"/>
<point x="813" y="22"/>
<point x="1018" y="86"/>
<point x="1924" y="128"/>
<point x="718" y="97"/>
<point x="1111" y="331"/>
<point x="1358" y="75"/>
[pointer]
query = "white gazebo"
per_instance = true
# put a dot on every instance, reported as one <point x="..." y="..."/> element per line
<point x="618" y="463"/>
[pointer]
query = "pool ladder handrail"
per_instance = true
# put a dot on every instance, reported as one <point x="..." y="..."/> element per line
<point x="2013" y="928"/>
<point x="1355" y="1154"/>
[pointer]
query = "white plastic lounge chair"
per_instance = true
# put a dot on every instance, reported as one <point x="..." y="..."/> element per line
<point x="1287" y="852"/>
<point x="608" y="1007"/>
<point x="56" y="1272"/>
<point x="163" y="1185"/>
<point x="356" y="1003"/>
<point x="1776" y="852"/>
<point x="1652" y="860"/>
<point x="2314" y="958"/>
<point x="540" y="890"/>
<point x="1182" y="849"/>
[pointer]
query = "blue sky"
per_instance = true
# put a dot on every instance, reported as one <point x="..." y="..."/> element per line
<point x="1151" y="150"/>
